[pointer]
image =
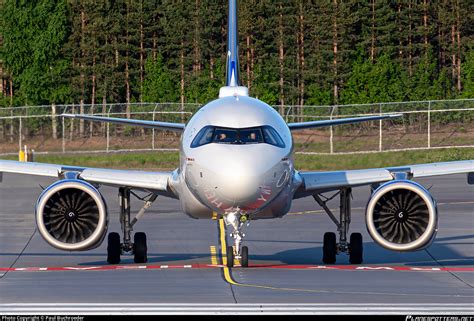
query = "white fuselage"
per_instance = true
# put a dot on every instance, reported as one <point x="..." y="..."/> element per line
<point x="253" y="178"/>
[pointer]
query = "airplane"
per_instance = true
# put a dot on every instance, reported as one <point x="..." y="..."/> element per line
<point x="236" y="162"/>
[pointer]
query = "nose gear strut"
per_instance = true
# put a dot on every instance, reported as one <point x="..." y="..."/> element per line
<point x="237" y="220"/>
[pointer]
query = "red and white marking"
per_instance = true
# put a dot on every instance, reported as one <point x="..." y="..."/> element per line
<point x="210" y="266"/>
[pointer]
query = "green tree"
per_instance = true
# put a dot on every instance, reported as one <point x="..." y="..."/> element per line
<point x="33" y="35"/>
<point x="374" y="82"/>
<point x="158" y="85"/>
<point x="468" y="76"/>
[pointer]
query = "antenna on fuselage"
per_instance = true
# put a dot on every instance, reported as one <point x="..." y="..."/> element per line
<point x="232" y="83"/>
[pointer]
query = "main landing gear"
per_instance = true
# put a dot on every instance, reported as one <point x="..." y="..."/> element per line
<point x="331" y="248"/>
<point x="139" y="247"/>
<point x="237" y="220"/>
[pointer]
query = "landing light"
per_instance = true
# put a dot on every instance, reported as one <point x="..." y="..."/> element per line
<point x="244" y="218"/>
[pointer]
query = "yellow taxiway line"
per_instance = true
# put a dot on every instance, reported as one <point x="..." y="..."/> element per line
<point x="213" y="255"/>
<point x="226" y="270"/>
<point x="228" y="276"/>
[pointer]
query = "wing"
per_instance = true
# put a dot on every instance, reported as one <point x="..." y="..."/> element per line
<point x="177" y="127"/>
<point x="314" y="182"/>
<point x="157" y="182"/>
<point x="333" y="122"/>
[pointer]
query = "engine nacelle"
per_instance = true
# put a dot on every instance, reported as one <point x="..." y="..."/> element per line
<point x="72" y="215"/>
<point x="402" y="216"/>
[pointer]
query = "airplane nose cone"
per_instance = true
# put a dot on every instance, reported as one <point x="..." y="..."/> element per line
<point x="240" y="179"/>
<point x="237" y="176"/>
<point x="238" y="183"/>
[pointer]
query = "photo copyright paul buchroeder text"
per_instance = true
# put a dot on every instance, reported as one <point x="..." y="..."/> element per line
<point x="42" y="318"/>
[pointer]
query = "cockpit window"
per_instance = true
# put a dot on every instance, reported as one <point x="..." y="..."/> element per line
<point x="225" y="136"/>
<point x="221" y="135"/>
<point x="204" y="137"/>
<point x="251" y="136"/>
<point x="271" y="137"/>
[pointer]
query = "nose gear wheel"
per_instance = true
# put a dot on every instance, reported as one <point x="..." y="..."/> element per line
<point x="236" y="221"/>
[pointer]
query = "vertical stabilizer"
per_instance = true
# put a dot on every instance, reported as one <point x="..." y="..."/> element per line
<point x="232" y="72"/>
<point x="232" y="82"/>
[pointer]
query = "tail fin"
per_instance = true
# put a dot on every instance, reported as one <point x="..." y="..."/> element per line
<point x="232" y="72"/>
<point x="232" y="82"/>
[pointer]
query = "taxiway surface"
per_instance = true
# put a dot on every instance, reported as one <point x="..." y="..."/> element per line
<point x="286" y="255"/>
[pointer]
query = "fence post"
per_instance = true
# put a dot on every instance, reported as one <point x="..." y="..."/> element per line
<point x="380" y="129"/>
<point x="64" y="134"/>
<point x="81" y="121"/>
<point x="11" y="125"/>
<point x="54" y="121"/>
<point x="71" y="122"/>
<point x="20" y="129"/>
<point x="331" y="136"/>
<point x="108" y="129"/>
<point x="288" y="113"/>
<point x="108" y="139"/>
<point x="153" y="130"/>
<point x="429" y="124"/>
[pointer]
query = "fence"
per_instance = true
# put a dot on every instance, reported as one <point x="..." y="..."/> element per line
<point x="424" y="125"/>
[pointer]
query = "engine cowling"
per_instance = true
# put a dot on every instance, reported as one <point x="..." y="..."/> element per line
<point x="72" y="215"/>
<point x="402" y="216"/>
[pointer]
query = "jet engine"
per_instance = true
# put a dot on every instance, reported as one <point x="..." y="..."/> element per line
<point x="402" y="216"/>
<point x="72" y="215"/>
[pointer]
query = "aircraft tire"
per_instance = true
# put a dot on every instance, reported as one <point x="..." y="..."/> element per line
<point x="244" y="261"/>
<point x="140" y="248"/>
<point x="356" y="248"/>
<point x="230" y="256"/>
<point x="113" y="248"/>
<point x="329" y="248"/>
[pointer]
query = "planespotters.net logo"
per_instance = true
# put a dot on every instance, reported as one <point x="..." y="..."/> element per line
<point x="439" y="318"/>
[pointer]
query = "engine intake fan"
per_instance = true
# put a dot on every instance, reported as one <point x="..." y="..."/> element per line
<point x="402" y="216"/>
<point x="72" y="215"/>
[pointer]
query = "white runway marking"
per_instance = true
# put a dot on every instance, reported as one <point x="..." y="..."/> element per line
<point x="264" y="308"/>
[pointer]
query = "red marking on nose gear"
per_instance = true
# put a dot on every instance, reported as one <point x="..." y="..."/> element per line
<point x="372" y="268"/>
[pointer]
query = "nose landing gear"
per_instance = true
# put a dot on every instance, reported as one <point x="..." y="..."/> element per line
<point x="237" y="220"/>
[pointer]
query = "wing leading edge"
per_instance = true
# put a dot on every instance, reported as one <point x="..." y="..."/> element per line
<point x="313" y="182"/>
<point x="177" y="127"/>
<point x="157" y="182"/>
<point x="342" y="121"/>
